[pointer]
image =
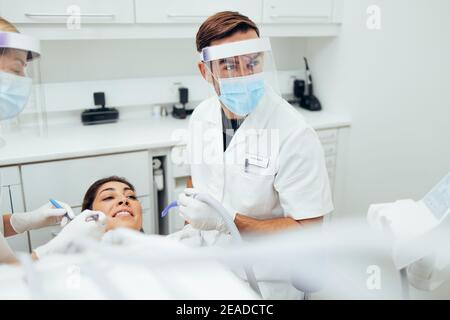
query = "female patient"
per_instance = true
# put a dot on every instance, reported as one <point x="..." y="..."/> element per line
<point x="116" y="198"/>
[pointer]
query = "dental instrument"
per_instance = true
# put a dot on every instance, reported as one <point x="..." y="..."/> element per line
<point x="171" y="205"/>
<point x="93" y="217"/>
<point x="58" y="206"/>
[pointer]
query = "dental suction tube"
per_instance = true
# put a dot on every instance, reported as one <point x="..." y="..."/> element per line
<point x="218" y="207"/>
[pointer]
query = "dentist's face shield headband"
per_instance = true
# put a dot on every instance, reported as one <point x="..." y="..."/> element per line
<point x="241" y="73"/>
<point x="19" y="70"/>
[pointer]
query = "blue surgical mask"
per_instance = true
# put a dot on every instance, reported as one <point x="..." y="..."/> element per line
<point x="14" y="93"/>
<point x="241" y="95"/>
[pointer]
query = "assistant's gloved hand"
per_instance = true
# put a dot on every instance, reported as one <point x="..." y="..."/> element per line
<point x="45" y="216"/>
<point x="83" y="226"/>
<point x="199" y="214"/>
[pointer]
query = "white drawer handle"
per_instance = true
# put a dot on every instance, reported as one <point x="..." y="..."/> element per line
<point x="283" y="16"/>
<point x="66" y="15"/>
<point x="327" y="137"/>
<point x="173" y="15"/>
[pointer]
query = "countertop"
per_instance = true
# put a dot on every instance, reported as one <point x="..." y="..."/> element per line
<point x="74" y="140"/>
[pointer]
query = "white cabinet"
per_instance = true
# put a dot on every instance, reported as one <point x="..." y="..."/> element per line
<point x="68" y="180"/>
<point x="180" y="166"/>
<point x="162" y="19"/>
<point x="329" y="141"/>
<point x="182" y="11"/>
<point x="299" y="11"/>
<point x="67" y="11"/>
<point x="11" y="201"/>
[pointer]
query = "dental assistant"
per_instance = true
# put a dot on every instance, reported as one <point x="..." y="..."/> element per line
<point x="248" y="147"/>
<point x="18" y="51"/>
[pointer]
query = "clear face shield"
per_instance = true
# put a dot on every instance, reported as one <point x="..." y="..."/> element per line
<point x="20" y="89"/>
<point x="241" y="73"/>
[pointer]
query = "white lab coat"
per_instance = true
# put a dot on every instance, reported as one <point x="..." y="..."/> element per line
<point x="285" y="177"/>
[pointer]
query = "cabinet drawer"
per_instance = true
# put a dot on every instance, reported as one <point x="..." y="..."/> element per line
<point x="68" y="11"/>
<point x="297" y="11"/>
<point x="327" y="136"/>
<point x="182" y="170"/>
<point x="68" y="180"/>
<point x="9" y="176"/>
<point x="330" y="162"/>
<point x="180" y="166"/>
<point x="193" y="11"/>
<point x="331" y="172"/>
<point x="5" y="202"/>
<point x="329" y="149"/>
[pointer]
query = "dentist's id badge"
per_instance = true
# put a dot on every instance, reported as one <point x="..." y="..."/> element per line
<point x="255" y="160"/>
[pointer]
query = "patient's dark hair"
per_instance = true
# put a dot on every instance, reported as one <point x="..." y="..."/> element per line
<point x="91" y="193"/>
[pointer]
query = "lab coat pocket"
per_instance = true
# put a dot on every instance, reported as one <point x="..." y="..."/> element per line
<point x="254" y="191"/>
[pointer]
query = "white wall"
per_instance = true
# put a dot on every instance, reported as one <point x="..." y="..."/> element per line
<point x="90" y="60"/>
<point x="395" y="83"/>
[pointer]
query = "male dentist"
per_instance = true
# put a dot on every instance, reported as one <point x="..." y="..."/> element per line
<point x="248" y="147"/>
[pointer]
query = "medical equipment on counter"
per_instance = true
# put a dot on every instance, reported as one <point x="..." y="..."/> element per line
<point x="99" y="115"/>
<point x="158" y="174"/>
<point x="298" y="92"/>
<point x="230" y="225"/>
<point x="309" y="101"/>
<point x="416" y="228"/>
<point x="179" y="109"/>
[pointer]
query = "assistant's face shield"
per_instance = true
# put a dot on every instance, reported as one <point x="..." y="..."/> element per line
<point x="19" y="71"/>
<point x="240" y="73"/>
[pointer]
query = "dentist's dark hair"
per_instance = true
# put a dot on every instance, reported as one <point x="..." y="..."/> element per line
<point x="221" y="25"/>
<point x="91" y="193"/>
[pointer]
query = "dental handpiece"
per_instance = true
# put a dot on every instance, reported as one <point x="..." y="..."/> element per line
<point x="58" y="206"/>
<point x="171" y="205"/>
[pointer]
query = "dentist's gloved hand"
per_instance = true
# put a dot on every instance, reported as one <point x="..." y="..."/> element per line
<point x="199" y="214"/>
<point x="83" y="226"/>
<point x="45" y="216"/>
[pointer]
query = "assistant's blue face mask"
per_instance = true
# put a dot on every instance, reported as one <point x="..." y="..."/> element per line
<point x="241" y="95"/>
<point x="14" y="93"/>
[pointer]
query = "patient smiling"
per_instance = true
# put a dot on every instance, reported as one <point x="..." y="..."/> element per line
<point x="116" y="198"/>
